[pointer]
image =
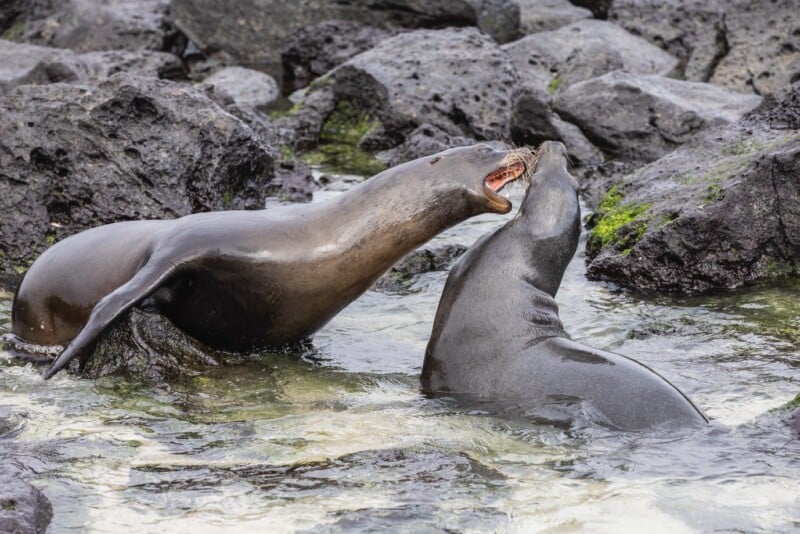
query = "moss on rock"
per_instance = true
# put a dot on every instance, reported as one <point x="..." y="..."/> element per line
<point x="617" y="223"/>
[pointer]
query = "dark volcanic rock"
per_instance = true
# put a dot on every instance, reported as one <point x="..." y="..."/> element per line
<point x="425" y="260"/>
<point x="87" y="25"/>
<point x="644" y="116"/>
<point x="423" y="141"/>
<point x="73" y="157"/>
<point x="239" y="27"/>
<point x="540" y="58"/>
<point x="744" y="45"/>
<point x="458" y="80"/>
<point x="599" y="8"/>
<point x="312" y="51"/>
<point x="721" y="211"/>
<point x="148" y="347"/>
<point x="546" y="15"/>
<point x="23" y="508"/>
<point x="532" y="123"/>
<point x="22" y="64"/>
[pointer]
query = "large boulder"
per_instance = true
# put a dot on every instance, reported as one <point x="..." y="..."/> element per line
<point x="721" y="211"/>
<point x="89" y="25"/>
<point x="644" y="116"/>
<point x="73" y="157"/>
<point x="546" y="15"/>
<point x="314" y="50"/>
<point x="246" y="87"/>
<point x="254" y="31"/>
<point x="458" y="80"/>
<point x="22" y="64"/>
<point x="23" y="508"/>
<point x="744" y="45"/>
<point x="540" y="58"/>
<point x="423" y="141"/>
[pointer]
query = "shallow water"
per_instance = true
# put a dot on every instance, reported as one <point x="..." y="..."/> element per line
<point x="341" y="439"/>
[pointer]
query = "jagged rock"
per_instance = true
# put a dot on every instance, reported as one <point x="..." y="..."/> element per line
<point x="237" y="27"/>
<point x="148" y="347"/>
<point x="89" y="25"/>
<point x="22" y="64"/>
<point x="643" y="116"/>
<point x="423" y="141"/>
<point x="314" y="50"/>
<point x="247" y="87"/>
<point x="546" y="15"/>
<point x="458" y="80"/>
<point x="541" y="57"/>
<point x="498" y="18"/>
<point x="23" y="508"/>
<point x="425" y="260"/>
<point x="744" y="45"/>
<point x="532" y="122"/>
<point x="73" y="157"/>
<point x="721" y="211"/>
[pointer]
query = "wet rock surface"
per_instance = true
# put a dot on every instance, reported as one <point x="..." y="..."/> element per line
<point x="73" y="157"/>
<point x="643" y="116"/>
<point x="23" y="508"/>
<point x="720" y="212"/>
<point x="457" y="80"/>
<point x="746" y="46"/>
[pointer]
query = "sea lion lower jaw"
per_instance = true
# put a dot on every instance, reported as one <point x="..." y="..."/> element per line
<point x="251" y="280"/>
<point x="497" y="335"/>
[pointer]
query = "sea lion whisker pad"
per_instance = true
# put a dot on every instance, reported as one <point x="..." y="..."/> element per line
<point x="241" y="281"/>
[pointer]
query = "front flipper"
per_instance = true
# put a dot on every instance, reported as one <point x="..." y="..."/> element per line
<point x="144" y="282"/>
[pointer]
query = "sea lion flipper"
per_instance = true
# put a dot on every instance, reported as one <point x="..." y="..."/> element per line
<point x="147" y="279"/>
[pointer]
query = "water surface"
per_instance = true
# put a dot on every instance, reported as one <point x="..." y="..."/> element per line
<point x="342" y="439"/>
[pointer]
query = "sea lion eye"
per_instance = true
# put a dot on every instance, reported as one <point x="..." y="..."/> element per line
<point x="484" y="150"/>
<point x="434" y="160"/>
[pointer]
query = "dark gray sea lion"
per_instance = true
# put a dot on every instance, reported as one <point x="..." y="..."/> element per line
<point x="497" y="334"/>
<point x="248" y="280"/>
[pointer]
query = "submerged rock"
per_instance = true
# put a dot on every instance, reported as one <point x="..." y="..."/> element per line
<point x="23" y="508"/>
<point x="644" y="116"/>
<point x="22" y="64"/>
<point x="425" y="260"/>
<point x="73" y="157"/>
<point x="746" y="46"/>
<point x="148" y="347"/>
<point x="540" y="58"/>
<point x="721" y="211"/>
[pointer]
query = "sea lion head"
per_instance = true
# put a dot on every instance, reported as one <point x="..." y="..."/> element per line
<point x="482" y="171"/>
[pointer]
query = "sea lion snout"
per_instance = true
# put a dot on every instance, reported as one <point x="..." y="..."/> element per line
<point x="553" y="160"/>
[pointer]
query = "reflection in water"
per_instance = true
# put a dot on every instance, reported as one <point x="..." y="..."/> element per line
<point x="341" y="438"/>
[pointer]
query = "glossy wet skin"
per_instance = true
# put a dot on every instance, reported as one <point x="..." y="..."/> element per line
<point x="497" y="334"/>
<point x="247" y="280"/>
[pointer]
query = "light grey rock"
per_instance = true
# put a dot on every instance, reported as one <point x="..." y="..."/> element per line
<point x="23" y="508"/>
<point x="719" y="212"/>
<point x="546" y="15"/>
<point x="247" y="87"/>
<point x="638" y="116"/>
<point x="458" y="80"/>
<point x="22" y="64"/>
<point x="540" y="57"/>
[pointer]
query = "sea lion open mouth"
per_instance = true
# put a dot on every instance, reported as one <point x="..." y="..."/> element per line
<point x="516" y="165"/>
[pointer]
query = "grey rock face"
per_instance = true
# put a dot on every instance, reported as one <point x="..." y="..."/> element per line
<point x="239" y="27"/>
<point x="532" y="123"/>
<point x="546" y="15"/>
<point x="88" y="25"/>
<point x="644" y="117"/>
<point x="458" y="80"/>
<point x="73" y="157"/>
<point x="247" y="87"/>
<point x="23" y="508"/>
<point x="498" y="18"/>
<point x="722" y="211"/>
<point x="314" y="50"/>
<point x="744" y="45"/>
<point x="422" y="261"/>
<point x="541" y="57"/>
<point x="22" y="64"/>
<point x="423" y="141"/>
